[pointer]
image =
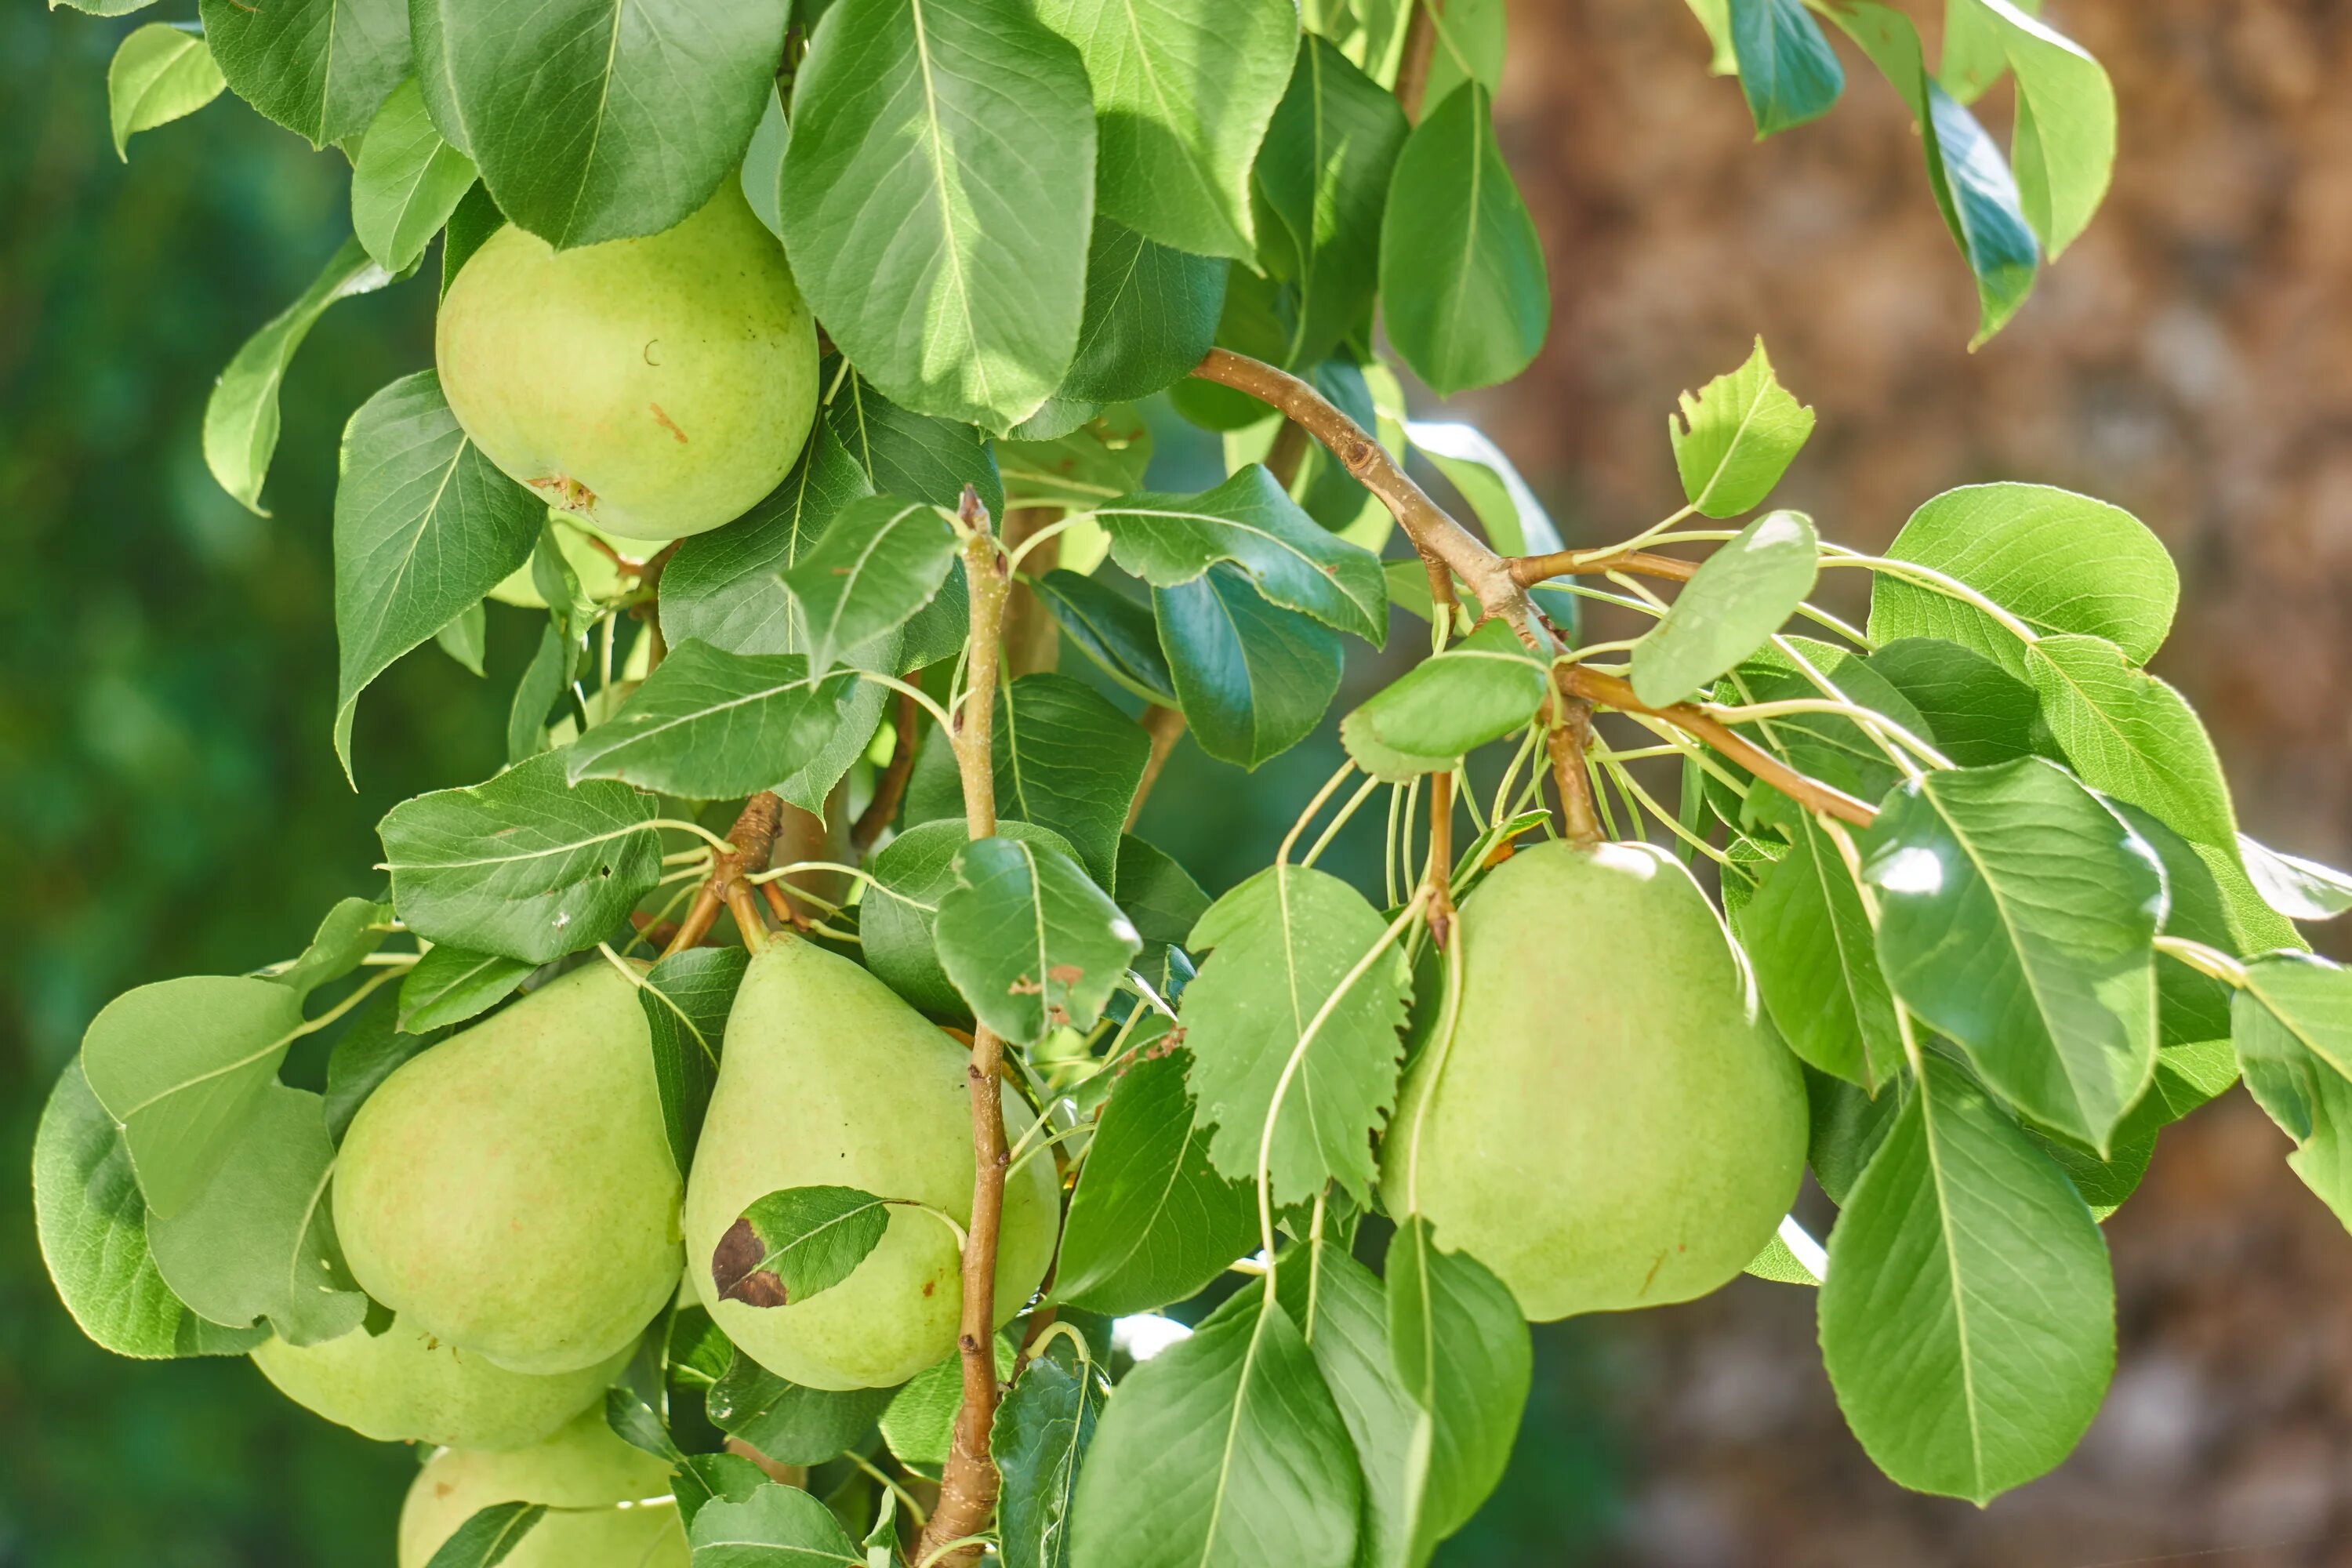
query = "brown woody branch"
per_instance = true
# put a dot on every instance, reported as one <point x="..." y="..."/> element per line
<point x="891" y="788"/>
<point x="1565" y="737"/>
<point x="754" y="838"/>
<point x="1441" y="859"/>
<point x="967" y="1485"/>
<point x="1420" y="48"/>
<point x="1530" y="570"/>
<point x="1166" y="727"/>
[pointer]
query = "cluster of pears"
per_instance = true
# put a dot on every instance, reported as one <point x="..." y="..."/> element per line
<point x="510" y="1195"/>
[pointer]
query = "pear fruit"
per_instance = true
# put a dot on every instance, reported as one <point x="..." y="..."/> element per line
<point x="829" y="1079"/>
<point x="657" y="387"/>
<point x="510" y="1191"/>
<point x="1612" y="1123"/>
<point x="582" y="1466"/>
<point x="406" y="1387"/>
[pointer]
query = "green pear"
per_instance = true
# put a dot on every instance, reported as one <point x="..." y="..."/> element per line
<point x="1611" y="1124"/>
<point x="829" y="1079"/>
<point x="629" y="1521"/>
<point x="406" y="1387"/>
<point x="510" y="1191"/>
<point x="657" y="387"/>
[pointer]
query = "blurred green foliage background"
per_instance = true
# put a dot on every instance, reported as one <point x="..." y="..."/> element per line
<point x="172" y="804"/>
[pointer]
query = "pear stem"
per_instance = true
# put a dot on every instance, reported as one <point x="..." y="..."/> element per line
<point x="753" y="839"/>
<point x="968" y="1484"/>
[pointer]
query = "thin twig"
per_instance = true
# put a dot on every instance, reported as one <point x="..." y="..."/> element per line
<point x="891" y="788"/>
<point x="1533" y="569"/>
<point x="1570" y="725"/>
<point x="1440" y="876"/>
<point x="1166" y="727"/>
<point x="1290" y="450"/>
<point x="1420" y="48"/>
<point x="753" y="839"/>
<point x="1579" y="680"/>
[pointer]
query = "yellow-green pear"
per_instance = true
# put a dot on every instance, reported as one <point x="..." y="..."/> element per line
<point x="628" y="1517"/>
<point x="1612" y="1123"/>
<point x="655" y="386"/>
<point x="406" y="1387"/>
<point x="829" y="1079"/>
<point x="510" y="1191"/>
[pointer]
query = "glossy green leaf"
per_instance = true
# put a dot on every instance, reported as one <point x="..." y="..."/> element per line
<point x="2057" y="561"/>
<point x="1808" y="939"/>
<point x="545" y="681"/>
<point x="1967" y="1318"/>
<point x="489" y="1536"/>
<point x="1347" y="1332"/>
<point x="909" y="454"/>
<point x="351" y="931"/>
<point x="1737" y="436"/>
<point x="451" y="985"/>
<point x="2046" y="981"/>
<point x="912" y="874"/>
<point x="1286" y="940"/>
<point x="2064" y="146"/>
<point x="797" y="1242"/>
<point x="1044" y="1426"/>
<point x="1830" y="747"/>
<point x="1183" y="94"/>
<point x="1459" y="1347"/>
<point x="1066" y="759"/>
<point x="1462" y="272"/>
<point x="1248" y="520"/>
<point x="1787" y="69"/>
<point x="686" y="998"/>
<point x="597" y="122"/>
<point x="1514" y="521"/>
<point x="466" y="637"/>
<point x="1159" y="897"/>
<point x="319" y="68"/>
<point x="1150" y="314"/>
<point x="937" y="200"/>
<point x="1029" y="940"/>
<point x="476" y="218"/>
<point x="2132" y="736"/>
<point x="1114" y="630"/>
<point x="2296" y="887"/>
<point x="879" y="560"/>
<point x="1457" y="699"/>
<point x="424" y="525"/>
<point x="160" y="72"/>
<point x="1151" y="1223"/>
<point x="406" y="181"/>
<point x="1100" y="458"/>
<point x="919" y="1424"/>
<point x="790" y="1423"/>
<point x="1321" y="181"/>
<point x="709" y="725"/>
<point x="259" y="1240"/>
<point x="1731" y="607"/>
<point x="1224" y="1451"/>
<point x="92" y="1226"/>
<point x="525" y="865"/>
<point x="704" y="1478"/>
<point x="1469" y="45"/>
<point x="1715" y="18"/>
<point x="241" y="417"/>
<point x="1976" y="713"/>
<point x="1253" y="680"/>
<point x="776" y="1526"/>
<point x="2292" y="1026"/>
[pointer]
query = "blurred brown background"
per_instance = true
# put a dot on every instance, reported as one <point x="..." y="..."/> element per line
<point x="2189" y="359"/>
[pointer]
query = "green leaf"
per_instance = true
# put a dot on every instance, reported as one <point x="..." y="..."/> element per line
<point x="776" y="1526"/>
<point x="1339" y="1307"/>
<point x="241" y="415"/>
<point x="351" y="931"/>
<point x="488" y="1536"/>
<point x="367" y="1053"/>
<point x="1113" y="630"/>
<point x="1462" y="272"/>
<point x="451" y="985"/>
<point x="1321" y="181"/>
<point x="687" y="998"/>
<point x="406" y="182"/>
<point x="544" y="679"/>
<point x="92" y="1225"/>
<point x="709" y="725"/>
<point x="1786" y="66"/>
<point x="1972" y="58"/>
<point x="1731" y="607"/>
<point x="1715" y="19"/>
<point x="1469" y="46"/>
<point x="919" y="1425"/>
<point x="2057" y="561"/>
<point x="1224" y="1451"/>
<point x="464" y="637"/>
<point x="1044" y="1426"/>
<point x="319" y="68"/>
<point x="2296" y="887"/>
<point x="2292" y="1026"/>
<point x="879" y="560"/>
<point x="912" y="874"/>
<point x="1976" y="713"/>
<point x="160" y="72"/>
<point x="1150" y="314"/>
<point x="907" y="454"/>
<point x="1169" y="539"/>
<point x="424" y="525"/>
<point x="1967" y="1318"/>
<point x="797" y="1242"/>
<point x="2046" y="981"/>
<point x="1029" y="940"/>
<point x="1066" y="759"/>
<point x="1965" y="173"/>
<point x="1253" y="680"/>
<point x="1159" y="895"/>
<point x="722" y="587"/>
<point x="1183" y="95"/>
<point x="2064" y="148"/>
<point x="2132" y="736"/>
<point x="1150" y="1222"/>
<point x="524" y="865"/>
<point x="703" y="1477"/>
<point x="1826" y="746"/>
<point x="790" y="1423"/>
<point x="180" y="1065"/>
<point x="476" y="218"/>
<point x="937" y="200"/>
<point x="1102" y="457"/>
<point x="1459" y="1346"/>
<point x="1737" y="436"/>
<point x="594" y="122"/>
<point x="259" y="1240"/>
<point x="1515" y="520"/>
<point x="1455" y="702"/>
<point x="1807" y="935"/>
<point x="1286" y="940"/>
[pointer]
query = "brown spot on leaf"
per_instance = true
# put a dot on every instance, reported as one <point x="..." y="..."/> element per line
<point x="666" y="423"/>
<point x="735" y="1269"/>
<point x="1024" y="986"/>
<point x="1066" y="974"/>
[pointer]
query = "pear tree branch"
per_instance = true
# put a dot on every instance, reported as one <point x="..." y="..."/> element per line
<point x="754" y="838"/>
